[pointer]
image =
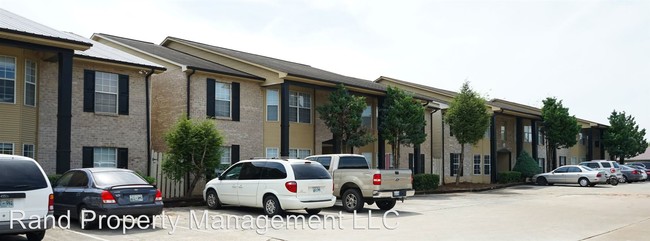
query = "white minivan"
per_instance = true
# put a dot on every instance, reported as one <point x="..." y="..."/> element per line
<point x="274" y="185"/>
<point x="24" y="189"/>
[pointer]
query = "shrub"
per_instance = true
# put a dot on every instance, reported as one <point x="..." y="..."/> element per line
<point x="426" y="181"/>
<point x="54" y="178"/>
<point x="509" y="177"/>
<point x="150" y="180"/>
<point x="526" y="165"/>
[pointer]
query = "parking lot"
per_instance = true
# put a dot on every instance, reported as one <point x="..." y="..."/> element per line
<point x="560" y="212"/>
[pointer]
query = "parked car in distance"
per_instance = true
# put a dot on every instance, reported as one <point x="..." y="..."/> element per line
<point x="644" y="167"/>
<point x="632" y="174"/>
<point x="609" y="167"/>
<point x="24" y="187"/>
<point x="106" y="191"/>
<point x="571" y="174"/>
<point x="643" y="170"/>
<point x="275" y="185"/>
<point x="356" y="183"/>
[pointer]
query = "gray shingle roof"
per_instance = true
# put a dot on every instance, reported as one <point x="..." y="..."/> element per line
<point x="10" y="22"/>
<point x="504" y="104"/>
<point x="291" y="68"/>
<point x="178" y="57"/>
<point x="104" y="52"/>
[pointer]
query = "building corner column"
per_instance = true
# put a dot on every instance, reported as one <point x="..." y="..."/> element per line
<point x="64" y="112"/>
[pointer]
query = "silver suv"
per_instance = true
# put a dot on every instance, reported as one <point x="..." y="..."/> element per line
<point x="609" y="167"/>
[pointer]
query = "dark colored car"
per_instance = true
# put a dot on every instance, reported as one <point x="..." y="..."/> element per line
<point x="631" y="174"/>
<point x="645" y="165"/>
<point x="106" y="191"/>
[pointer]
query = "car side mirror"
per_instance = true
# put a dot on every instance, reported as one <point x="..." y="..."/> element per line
<point x="220" y="177"/>
<point x="553" y="172"/>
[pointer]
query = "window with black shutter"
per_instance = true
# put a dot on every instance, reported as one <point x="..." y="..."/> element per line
<point x="234" y="154"/>
<point x="210" y="98"/>
<point x="123" y="158"/>
<point x="123" y="105"/>
<point x="89" y="90"/>
<point x="87" y="157"/>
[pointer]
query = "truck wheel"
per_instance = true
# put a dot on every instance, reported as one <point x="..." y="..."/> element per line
<point x="352" y="200"/>
<point x="387" y="204"/>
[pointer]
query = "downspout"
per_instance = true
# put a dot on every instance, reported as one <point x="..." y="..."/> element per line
<point x="442" y="159"/>
<point x="188" y="93"/>
<point x="431" y="132"/>
<point x="148" y="112"/>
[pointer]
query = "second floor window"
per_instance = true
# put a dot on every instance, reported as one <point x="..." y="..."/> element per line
<point x="106" y="92"/>
<point x="30" y="83"/>
<point x="299" y="107"/>
<point x="366" y="117"/>
<point x="7" y="79"/>
<point x="272" y="103"/>
<point x="528" y="134"/>
<point x="222" y="100"/>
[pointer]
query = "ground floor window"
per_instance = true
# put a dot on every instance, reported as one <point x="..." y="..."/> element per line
<point x="105" y="157"/>
<point x="7" y="148"/>
<point x="28" y="150"/>
<point x="225" y="155"/>
<point x="486" y="165"/>
<point x="540" y="162"/>
<point x="477" y="164"/>
<point x="299" y="153"/>
<point x="562" y="160"/>
<point x="272" y="152"/>
<point x="454" y="158"/>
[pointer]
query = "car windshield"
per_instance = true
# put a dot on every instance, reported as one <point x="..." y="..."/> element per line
<point x="20" y="175"/>
<point x="107" y="179"/>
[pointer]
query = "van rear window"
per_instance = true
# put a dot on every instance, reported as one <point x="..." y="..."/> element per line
<point x="305" y="171"/>
<point x="20" y="175"/>
<point x="606" y="164"/>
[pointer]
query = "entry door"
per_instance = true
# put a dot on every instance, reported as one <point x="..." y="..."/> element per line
<point x="228" y="187"/>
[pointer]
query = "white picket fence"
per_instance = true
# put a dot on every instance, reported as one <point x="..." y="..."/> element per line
<point x="168" y="187"/>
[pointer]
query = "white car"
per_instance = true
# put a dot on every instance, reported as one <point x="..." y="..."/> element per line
<point x="571" y="174"/>
<point x="274" y="185"/>
<point x="24" y="189"/>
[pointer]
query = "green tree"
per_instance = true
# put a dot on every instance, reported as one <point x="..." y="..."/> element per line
<point x="403" y="121"/>
<point x="559" y="127"/>
<point x="623" y="139"/>
<point x="342" y="115"/>
<point x="194" y="148"/>
<point x="526" y="165"/>
<point x="468" y="119"/>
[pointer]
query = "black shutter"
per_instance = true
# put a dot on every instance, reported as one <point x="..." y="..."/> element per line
<point x="87" y="157"/>
<point x="123" y="158"/>
<point x="421" y="162"/>
<point x="451" y="164"/>
<point x="123" y="106"/>
<point x="234" y="154"/>
<point x="89" y="90"/>
<point x="235" y="101"/>
<point x="210" y="97"/>
<point x="411" y="162"/>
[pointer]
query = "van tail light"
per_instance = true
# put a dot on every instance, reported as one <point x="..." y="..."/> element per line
<point x="50" y="203"/>
<point x="107" y="197"/>
<point x="612" y="170"/>
<point x="291" y="186"/>
<point x="158" y="196"/>
<point x="599" y="175"/>
<point x="376" y="179"/>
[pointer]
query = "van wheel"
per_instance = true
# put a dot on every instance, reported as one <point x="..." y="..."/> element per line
<point x="272" y="206"/>
<point x="87" y="224"/>
<point x="36" y="236"/>
<point x="583" y="182"/>
<point x="352" y="200"/>
<point x="386" y="204"/>
<point x="313" y="211"/>
<point x="212" y="199"/>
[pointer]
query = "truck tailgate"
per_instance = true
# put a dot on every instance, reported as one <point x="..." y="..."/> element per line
<point x="395" y="179"/>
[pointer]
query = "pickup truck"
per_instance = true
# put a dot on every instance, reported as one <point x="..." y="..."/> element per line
<point x="355" y="183"/>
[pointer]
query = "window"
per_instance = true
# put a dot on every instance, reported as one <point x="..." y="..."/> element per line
<point x="366" y="117"/>
<point x="540" y="136"/>
<point x="325" y="161"/>
<point x="7" y="79"/>
<point x="30" y="83"/>
<point x="303" y="171"/>
<point x="574" y="160"/>
<point x="251" y="171"/>
<point x="574" y="169"/>
<point x="352" y="162"/>
<point x="106" y="92"/>
<point x="454" y="163"/>
<point x="272" y="104"/>
<point x="232" y="173"/>
<point x="503" y="132"/>
<point x="225" y="155"/>
<point x="562" y="170"/>
<point x="19" y="175"/>
<point x="486" y="165"/>
<point x="117" y="178"/>
<point x="477" y="164"/>
<point x="105" y="157"/>
<point x="28" y="150"/>
<point x="606" y="164"/>
<point x="299" y="153"/>
<point x="7" y="148"/>
<point x="562" y="160"/>
<point x="273" y="170"/>
<point x="528" y="134"/>
<point x="540" y="162"/>
<point x="272" y="152"/>
<point x="222" y="99"/>
<point x="299" y="107"/>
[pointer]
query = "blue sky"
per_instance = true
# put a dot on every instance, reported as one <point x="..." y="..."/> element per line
<point x="594" y="55"/>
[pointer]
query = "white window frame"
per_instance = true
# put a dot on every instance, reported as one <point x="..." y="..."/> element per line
<point x="33" y="150"/>
<point x="29" y="83"/>
<point x="117" y="93"/>
<point x="528" y="134"/>
<point x="216" y="98"/>
<point x="13" y="147"/>
<point x="369" y="108"/>
<point x="95" y="151"/>
<point x="560" y="161"/>
<point x="277" y="150"/>
<point x="223" y="155"/>
<point x="503" y="132"/>
<point x="298" y="107"/>
<point x="14" y="80"/>
<point x="540" y="161"/>
<point x="487" y="162"/>
<point x="276" y="105"/>
<point x="456" y="164"/>
<point x="297" y="151"/>
<point x="477" y="164"/>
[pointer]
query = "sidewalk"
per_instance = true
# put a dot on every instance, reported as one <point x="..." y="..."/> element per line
<point x="466" y="187"/>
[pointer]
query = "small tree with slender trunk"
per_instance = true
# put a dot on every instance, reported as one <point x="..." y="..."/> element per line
<point x="342" y="115"/>
<point x="468" y="118"/>
<point x="623" y="139"/>
<point x="403" y="121"/>
<point x="559" y="128"/>
<point x="194" y="148"/>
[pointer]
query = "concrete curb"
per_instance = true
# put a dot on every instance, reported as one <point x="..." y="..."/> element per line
<point x="500" y="186"/>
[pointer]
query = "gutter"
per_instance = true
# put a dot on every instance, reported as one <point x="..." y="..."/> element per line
<point x="187" y="113"/>
<point x="148" y="112"/>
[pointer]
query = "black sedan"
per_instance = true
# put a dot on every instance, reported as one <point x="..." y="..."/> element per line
<point x="105" y="191"/>
<point x="632" y="174"/>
